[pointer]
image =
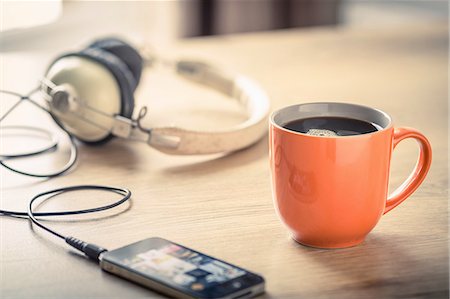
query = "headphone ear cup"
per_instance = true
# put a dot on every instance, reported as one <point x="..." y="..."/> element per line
<point x="125" y="52"/>
<point x="109" y="64"/>
<point x="94" y="88"/>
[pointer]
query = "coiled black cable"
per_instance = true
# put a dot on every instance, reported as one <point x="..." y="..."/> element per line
<point x="53" y="144"/>
<point x="73" y="147"/>
<point x="91" y="250"/>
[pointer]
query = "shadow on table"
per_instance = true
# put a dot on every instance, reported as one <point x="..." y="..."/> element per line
<point x="381" y="267"/>
<point x="124" y="155"/>
<point x="21" y="181"/>
<point x="116" y="153"/>
<point x="219" y="163"/>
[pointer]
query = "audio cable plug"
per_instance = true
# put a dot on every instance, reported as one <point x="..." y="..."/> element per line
<point x="91" y="250"/>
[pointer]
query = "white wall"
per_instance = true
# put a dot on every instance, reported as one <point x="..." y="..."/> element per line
<point x="155" y="22"/>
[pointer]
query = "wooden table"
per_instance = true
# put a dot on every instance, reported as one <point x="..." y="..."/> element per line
<point x="223" y="205"/>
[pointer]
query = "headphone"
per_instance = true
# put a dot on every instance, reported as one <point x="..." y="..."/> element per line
<point x="90" y="95"/>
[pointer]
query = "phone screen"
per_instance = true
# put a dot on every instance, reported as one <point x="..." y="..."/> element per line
<point x="184" y="268"/>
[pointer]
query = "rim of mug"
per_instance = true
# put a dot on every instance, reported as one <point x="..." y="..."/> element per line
<point x="274" y="113"/>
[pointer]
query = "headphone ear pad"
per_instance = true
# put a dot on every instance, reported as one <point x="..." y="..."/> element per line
<point x="121" y="73"/>
<point x="125" y="52"/>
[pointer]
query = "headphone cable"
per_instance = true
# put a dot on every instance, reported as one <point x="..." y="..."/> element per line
<point x="91" y="250"/>
<point x="73" y="147"/>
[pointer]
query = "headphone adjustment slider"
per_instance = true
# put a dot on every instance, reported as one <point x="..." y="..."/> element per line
<point x="122" y="126"/>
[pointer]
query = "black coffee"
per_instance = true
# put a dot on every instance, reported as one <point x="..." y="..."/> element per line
<point x="331" y="126"/>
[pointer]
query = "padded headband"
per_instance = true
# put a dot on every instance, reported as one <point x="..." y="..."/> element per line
<point x="173" y="140"/>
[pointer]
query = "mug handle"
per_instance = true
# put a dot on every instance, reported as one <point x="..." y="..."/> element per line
<point x="419" y="172"/>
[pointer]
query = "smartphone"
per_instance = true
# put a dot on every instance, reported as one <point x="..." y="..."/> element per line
<point x="180" y="272"/>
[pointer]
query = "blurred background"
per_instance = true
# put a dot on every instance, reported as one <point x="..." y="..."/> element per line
<point x="28" y="24"/>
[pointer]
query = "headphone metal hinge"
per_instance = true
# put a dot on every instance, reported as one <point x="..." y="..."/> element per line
<point x="122" y="126"/>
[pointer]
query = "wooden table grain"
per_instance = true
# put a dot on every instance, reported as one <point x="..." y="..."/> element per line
<point x="222" y="205"/>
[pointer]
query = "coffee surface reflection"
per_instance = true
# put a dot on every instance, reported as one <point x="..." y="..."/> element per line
<point x="331" y="126"/>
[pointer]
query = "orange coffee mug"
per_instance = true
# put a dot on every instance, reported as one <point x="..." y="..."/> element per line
<point x="330" y="191"/>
